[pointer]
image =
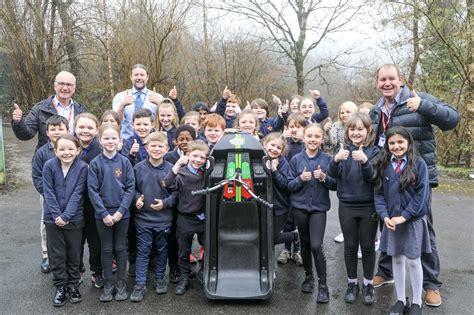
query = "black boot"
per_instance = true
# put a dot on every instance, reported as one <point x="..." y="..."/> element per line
<point x="182" y="286"/>
<point x="323" y="293"/>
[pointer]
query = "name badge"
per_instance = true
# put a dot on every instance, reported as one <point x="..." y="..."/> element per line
<point x="381" y="141"/>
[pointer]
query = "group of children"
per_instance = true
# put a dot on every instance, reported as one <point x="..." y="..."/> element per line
<point x="135" y="194"/>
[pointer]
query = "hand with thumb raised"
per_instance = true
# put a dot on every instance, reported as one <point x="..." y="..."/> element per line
<point x="248" y="106"/>
<point x="342" y="154"/>
<point x="359" y="155"/>
<point x="173" y="94"/>
<point x="16" y="114"/>
<point x="135" y="148"/>
<point x="319" y="174"/>
<point x="305" y="175"/>
<point x="140" y="202"/>
<point x="413" y="102"/>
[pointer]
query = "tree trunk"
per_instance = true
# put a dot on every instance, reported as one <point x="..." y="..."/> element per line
<point x="69" y="43"/>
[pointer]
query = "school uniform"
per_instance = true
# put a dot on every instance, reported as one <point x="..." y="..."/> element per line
<point x="153" y="227"/>
<point x="220" y="109"/>
<point x="141" y="155"/>
<point x="90" y="233"/>
<point x="294" y="147"/>
<point x="173" y="156"/>
<point x="269" y="125"/>
<point x="323" y="111"/>
<point x="357" y="215"/>
<point x="63" y="194"/>
<point x="170" y="133"/>
<point x="190" y="219"/>
<point x="412" y="237"/>
<point x="111" y="185"/>
<point x="310" y="201"/>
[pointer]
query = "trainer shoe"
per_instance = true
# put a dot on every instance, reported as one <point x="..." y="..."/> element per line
<point x="138" y="293"/>
<point x="339" y="238"/>
<point x="433" y="298"/>
<point x="368" y="297"/>
<point x="45" y="266"/>
<point x="121" y="291"/>
<point x="284" y="256"/>
<point x="160" y="286"/>
<point x="323" y="293"/>
<point x="296" y="257"/>
<point x="182" y="287"/>
<point x="308" y="284"/>
<point x="352" y="292"/>
<point x="108" y="293"/>
<point x="414" y="309"/>
<point x="98" y="280"/>
<point x="379" y="281"/>
<point x="398" y="308"/>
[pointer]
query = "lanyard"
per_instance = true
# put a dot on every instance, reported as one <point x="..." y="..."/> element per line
<point x="385" y="122"/>
<point x="70" y="111"/>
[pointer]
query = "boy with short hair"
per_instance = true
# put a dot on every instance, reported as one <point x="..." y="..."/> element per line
<point x="153" y="219"/>
<point x="187" y="175"/>
<point x="134" y="147"/>
<point x="214" y="126"/>
<point x="56" y="125"/>
<point x="228" y="107"/>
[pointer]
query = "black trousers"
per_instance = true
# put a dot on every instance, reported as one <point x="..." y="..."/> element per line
<point x="359" y="226"/>
<point x="132" y="237"/>
<point x="113" y="240"/>
<point x="64" y="253"/>
<point x="312" y="226"/>
<point x="280" y="236"/>
<point x="186" y="227"/>
<point x="91" y="235"/>
<point x="173" y="245"/>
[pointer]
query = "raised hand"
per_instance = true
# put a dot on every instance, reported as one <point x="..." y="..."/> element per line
<point x="413" y="102"/>
<point x="359" y="155"/>
<point x="315" y="94"/>
<point x="128" y="99"/>
<point x="248" y="106"/>
<point x="140" y="202"/>
<point x="342" y="155"/>
<point x="319" y="174"/>
<point x="135" y="148"/>
<point x="328" y="126"/>
<point x="155" y="98"/>
<point x="276" y="100"/>
<point x="305" y="175"/>
<point x="226" y="93"/>
<point x="173" y="94"/>
<point x="285" y="107"/>
<point x="16" y="114"/>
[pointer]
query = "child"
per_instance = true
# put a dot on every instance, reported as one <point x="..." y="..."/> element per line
<point x="203" y="110"/>
<point x="353" y="171"/>
<point x="295" y="103"/>
<point x="310" y="201"/>
<point x="295" y="125"/>
<point x="154" y="215"/>
<point x="402" y="201"/>
<point x="247" y="122"/>
<point x="260" y="108"/>
<point x="134" y="147"/>
<point x="85" y="127"/>
<point x="167" y="120"/>
<point x="184" y="135"/>
<point x="110" y="116"/>
<point x="186" y="176"/>
<point x="213" y="129"/>
<point x="56" y="126"/>
<point x="228" y="107"/>
<point x="309" y="111"/>
<point x="192" y="119"/>
<point x="365" y="107"/>
<point x="111" y="187"/>
<point x="64" y="182"/>
<point x="275" y="144"/>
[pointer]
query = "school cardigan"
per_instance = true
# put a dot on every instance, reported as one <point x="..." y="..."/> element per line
<point x="141" y="155"/>
<point x="111" y="185"/>
<point x="63" y="196"/>
<point x="355" y="187"/>
<point x="149" y="182"/>
<point x="271" y="125"/>
<point x="184" y="183"/>
<point x="312" y="195"/>
<point x="281" y="195"/>
<point x="411" y="203"/>
<point x="294" y="147"/>
<point x="93" y="149"/>
<point x="43" y="154"/>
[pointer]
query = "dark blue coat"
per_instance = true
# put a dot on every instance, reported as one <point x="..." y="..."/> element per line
<point x="312" y="195"/>
<point x="111" y="185"/>
<point x="280" y="193"/>
<point x="42" y="155"/>
<point x="431" y="112"/>
<point x="141" y="155"/>
<point x="355" y="187"/>
<point x="412" y="203"/>
<point x="148" y="181"/>
<point x="63" y="196"/>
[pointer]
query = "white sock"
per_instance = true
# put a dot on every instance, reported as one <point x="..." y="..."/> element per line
<point x="416" y="276"/>
<point x="398" y="269"/>
<point x="352" y="280"/>
<point x="367" y="282"/>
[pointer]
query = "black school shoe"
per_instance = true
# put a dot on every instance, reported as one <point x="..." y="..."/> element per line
<point x="59" y="297"/>
<point x="352" y="293"/>
<point x="45" y="266"/>
<point x="323" y="293"/>
<point x="182" y="287"/>
<point x="74" y="295"/>
<point x="308" y="284"/>
<point x="414" y="309"/>
<point x="398" y="308"/>
<point x="368" y="297"/>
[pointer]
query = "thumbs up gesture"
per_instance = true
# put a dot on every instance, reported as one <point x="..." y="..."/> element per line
<point x="342" y="155"/>
<point x="328" y="126"/>
<point x="248" y="106"/>
<point x="413" y="102"/>
<point x="285" y="107"/>
<point x="226" y="93"/>
<point x="315" y="94"/>
<point x="16" y="114"/>
<point x="140" y="202"/>
<point x="359" y="155"/>
<point x="305" y="175"/>
<point x="155" y="98"/>
<point x="158" y="205"/>
<point x="135" y="148"/>
<point x="319" y="174"/>
<point x="276" y="100"/>
<point x="173" y="94"/>
<point x="128" y="99"/>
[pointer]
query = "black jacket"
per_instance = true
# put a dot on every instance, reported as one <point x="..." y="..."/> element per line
<point x="35" y="121"/>
<point x="431" y="112"/>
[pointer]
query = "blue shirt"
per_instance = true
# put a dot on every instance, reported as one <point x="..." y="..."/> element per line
<point x="393" y="160"/>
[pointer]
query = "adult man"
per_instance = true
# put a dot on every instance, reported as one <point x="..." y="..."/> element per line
<point x="417" y="112"/>
<point x="59" y="104"/>
<point x="127" y="102"/>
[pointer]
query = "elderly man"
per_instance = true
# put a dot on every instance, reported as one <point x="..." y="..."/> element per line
<point x="398" y="106"/>
<point x="59" y="104"/>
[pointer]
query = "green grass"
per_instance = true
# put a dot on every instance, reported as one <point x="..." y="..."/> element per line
<point x="457" y="172"/>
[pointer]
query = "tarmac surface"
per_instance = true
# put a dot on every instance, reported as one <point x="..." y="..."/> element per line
<point x="25" y="290"/>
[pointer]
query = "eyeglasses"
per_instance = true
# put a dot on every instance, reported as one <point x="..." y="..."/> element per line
<point x="65" y="84"/>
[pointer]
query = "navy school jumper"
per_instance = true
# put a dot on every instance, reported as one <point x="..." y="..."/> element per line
<point x="92" y="150"/>
<point x="281" y="195"/>
<point x="42" y="155"/>
<point x="294" y="147"/>
<point x="111" y="185"/>
<point x="141" y="155"/>
<point x="172" y="156"/>
<point x="63" y="196"/>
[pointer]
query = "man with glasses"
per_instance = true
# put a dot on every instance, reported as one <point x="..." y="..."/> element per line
<point x="25" y="128"/>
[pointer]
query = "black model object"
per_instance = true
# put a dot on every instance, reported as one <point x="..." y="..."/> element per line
<point x="238" y="260"/>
